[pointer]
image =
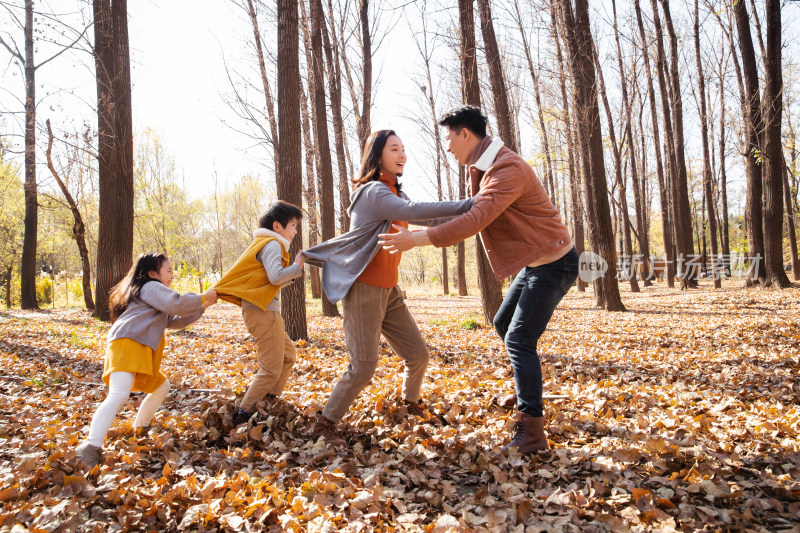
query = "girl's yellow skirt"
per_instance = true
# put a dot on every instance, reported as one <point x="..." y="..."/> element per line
<point x="127" y="355"/>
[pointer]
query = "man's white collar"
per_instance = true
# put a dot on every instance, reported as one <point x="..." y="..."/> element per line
<point x="487" y="158"/>
<point x="263" y="232"/>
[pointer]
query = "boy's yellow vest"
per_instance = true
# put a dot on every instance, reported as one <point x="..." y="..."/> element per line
<point x="247" y="279"/>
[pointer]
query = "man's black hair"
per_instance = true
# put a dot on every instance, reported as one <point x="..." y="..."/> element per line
<point x="466" y="116"/>
<point x="281" y="212"/>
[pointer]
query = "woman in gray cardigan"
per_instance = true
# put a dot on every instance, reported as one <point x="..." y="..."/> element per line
<point x="356" y="270"/>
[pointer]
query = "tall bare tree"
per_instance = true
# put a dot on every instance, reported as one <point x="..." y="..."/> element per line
<point x="78" y="227"/>
<point x="115" y="148"/>
<point x="497" y="78"/>
<point x="25" y="57"/>
<point x="491" y="292"/>
<point x="666" y="219"/>
<point x="290" y="172"/>
<point x="325" y="168"/>
<point x="580" y="43"/>
<point x="707" y="185"/>
<point x="364" y="126"/>
<point x="773" y="151"/>
<point x="754" y="126"/>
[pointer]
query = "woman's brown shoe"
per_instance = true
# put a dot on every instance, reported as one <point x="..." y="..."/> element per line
<point x="327" y="428"/>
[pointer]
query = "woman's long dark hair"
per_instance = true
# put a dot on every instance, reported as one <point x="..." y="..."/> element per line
<point x="126" y="290"/>
<point x="370" y="160"/>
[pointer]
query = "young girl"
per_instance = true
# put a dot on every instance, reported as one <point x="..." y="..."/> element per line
<point x="142" y="306"/>
<point x="253" y="282"/>
<point x="356" y="270"/>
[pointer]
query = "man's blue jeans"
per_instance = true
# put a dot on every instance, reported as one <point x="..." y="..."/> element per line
<point x="523" y="317"/>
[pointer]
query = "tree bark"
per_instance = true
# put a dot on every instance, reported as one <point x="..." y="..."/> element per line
<point x="616" y="150"/>
<point x="325" y="169"/>
<point x="9" y="271"/>
<point x="787" y="196"/>
<point x="754" y="126"/>
<point x="537" y="96"/>
<point x="723" y="179"/>
<point x="497" y="78"/>
<point x="709" y="193"/>
<point x="491" y="292"/>
<point x="666" y="219"/>
<point x="310" y="195"/>
<point x="366" y="83"/>
<point x="335" y="89"/>
<point x="681" y="212"/>
<point x="30" y="239"/>
<point x="115" y="149"/>
<point x="773" y="150"/>
<point x="78" y="228"/>
<point x="290" y="173"/>
<point x="641" y="230"/>
<point x="579" y="41"/>
<point x="576" y="195"/>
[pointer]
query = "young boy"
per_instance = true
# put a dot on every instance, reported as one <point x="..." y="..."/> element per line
<point x="253" y="283"/>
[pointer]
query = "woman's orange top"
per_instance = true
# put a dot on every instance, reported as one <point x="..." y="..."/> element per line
<point x="383" y="270"/>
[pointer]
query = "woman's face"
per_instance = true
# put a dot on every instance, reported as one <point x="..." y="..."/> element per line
<point x="393" y="157"/>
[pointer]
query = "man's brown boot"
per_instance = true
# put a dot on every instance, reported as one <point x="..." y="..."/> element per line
<point x="327" y="428"/>
<point x="528" y="434"/>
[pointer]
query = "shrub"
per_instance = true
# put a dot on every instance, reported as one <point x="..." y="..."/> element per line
<point x="44" y="291"/>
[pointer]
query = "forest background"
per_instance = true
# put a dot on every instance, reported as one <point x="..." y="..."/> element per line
<point x="204" y="83"/>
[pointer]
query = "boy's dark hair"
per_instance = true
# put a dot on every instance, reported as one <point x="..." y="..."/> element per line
<point x="281" y="212"/>
<point x="128" y="288"/>
<point x="466" y="116"/>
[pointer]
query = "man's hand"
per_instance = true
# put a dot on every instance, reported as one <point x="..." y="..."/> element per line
<point x="401" y="241"/>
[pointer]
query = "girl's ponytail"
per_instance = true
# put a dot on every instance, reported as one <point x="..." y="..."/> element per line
<point x="128" y="288"/>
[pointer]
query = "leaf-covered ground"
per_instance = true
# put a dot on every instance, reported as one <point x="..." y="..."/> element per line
<point x="681" y="414"/>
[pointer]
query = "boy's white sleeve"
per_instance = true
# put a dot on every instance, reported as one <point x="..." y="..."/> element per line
<point x="270" y="257"/>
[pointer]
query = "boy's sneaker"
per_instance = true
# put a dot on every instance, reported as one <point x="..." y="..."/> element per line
<point x="89" y="454"/>
<point x="241" y="416"/>
<point x="327" y="428"/>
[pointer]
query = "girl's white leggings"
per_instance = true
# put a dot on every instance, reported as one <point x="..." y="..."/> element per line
<point x="120" y="385"/>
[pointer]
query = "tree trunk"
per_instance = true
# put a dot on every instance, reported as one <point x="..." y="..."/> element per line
<point x="787" y="196"/>
<point x="578" y="234"/>
<point x="78" y="228"/>
<point x="641" y="231"/>
<point x="773" y="150"/>
<point x="335" y="89"/>
<point x="115" y="149"/>
<point x="273" y="127"/>
<point x="579" y="40"/>
<point x="9" y="271"/>
<point x="709" y="194"/>
<point x="290" y="173"/>
<point x="625" y="223"/>
<point x="681" y="212"/>
<point x="753" y="147"/>
<point x="325" y="169"/>
<point x="723" y="180"/>
<point x="491" y="292"/>
<point x="497" y="78"/>
<point x="537" y="96"/>
<point x="310" y="195"/>
<point x="28" y="269"/>
<point x="364" y="126"/>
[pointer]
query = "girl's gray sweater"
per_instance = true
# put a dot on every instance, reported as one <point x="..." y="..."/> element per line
<point x="157" y="308"/>
<point x="373" y="206"/>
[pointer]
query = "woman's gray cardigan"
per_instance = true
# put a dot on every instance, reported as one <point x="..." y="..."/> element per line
<point x="373" y="206"/>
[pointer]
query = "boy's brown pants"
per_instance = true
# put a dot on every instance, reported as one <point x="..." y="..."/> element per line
<point x="369" y="311"/>
<point x="276" y="355"/>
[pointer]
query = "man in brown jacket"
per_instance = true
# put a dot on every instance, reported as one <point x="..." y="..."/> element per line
<point x="522" y="234"/>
